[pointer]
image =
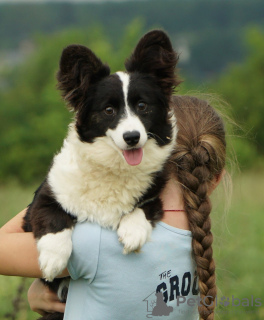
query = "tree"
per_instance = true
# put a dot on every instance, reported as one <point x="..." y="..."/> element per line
<point x="243" y="87"/>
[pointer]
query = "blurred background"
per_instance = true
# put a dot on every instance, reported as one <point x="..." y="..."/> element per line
<point x="221" y="47"/>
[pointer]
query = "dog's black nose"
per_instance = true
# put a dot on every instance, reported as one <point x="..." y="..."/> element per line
<point x="131" y="137"/>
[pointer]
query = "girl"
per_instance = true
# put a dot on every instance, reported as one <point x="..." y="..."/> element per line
<point x="174" y="275"/>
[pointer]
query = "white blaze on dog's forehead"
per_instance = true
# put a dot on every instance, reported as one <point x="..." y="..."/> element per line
<point x="124" y="78"/>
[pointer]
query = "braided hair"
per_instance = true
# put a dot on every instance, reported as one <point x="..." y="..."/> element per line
<point x="198" y="158"/>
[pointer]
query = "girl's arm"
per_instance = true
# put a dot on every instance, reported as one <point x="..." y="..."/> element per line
<point x="18" y="250"/>
<point x="18" y="255"/>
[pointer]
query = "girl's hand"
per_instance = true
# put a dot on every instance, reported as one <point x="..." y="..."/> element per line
<point x="42" y="300"/>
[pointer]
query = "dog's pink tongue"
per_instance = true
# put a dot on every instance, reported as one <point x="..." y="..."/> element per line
<point x="134" y="156"/>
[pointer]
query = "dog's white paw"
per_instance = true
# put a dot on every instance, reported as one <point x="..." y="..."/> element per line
<point x="134" y="231"/>
<point x="63" y="289"/>
<point x="54" y="252"/>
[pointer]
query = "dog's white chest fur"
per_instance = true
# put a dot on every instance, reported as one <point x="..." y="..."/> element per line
<point x="93" y="182"/>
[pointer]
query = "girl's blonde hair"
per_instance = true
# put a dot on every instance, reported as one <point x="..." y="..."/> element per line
<point x="199" y="157"/>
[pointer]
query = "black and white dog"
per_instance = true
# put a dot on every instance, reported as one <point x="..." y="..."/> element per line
<point x="110" y="169"/>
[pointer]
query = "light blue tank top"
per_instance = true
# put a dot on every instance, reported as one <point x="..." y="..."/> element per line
<point x="160" y="282"/>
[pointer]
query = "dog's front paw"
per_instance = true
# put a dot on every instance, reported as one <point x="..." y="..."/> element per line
<point x="54" y="252"/>
<point x="134" y="230"/>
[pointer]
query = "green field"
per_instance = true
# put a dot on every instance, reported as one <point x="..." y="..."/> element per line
<point x="238" y="249"/>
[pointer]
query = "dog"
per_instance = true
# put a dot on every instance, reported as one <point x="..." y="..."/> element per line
<point x="110" y="169"/>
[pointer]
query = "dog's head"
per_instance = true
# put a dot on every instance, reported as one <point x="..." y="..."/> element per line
<point x="126" y="108"/>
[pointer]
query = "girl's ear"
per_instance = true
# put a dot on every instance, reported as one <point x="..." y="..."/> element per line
<point x="79" y="69"/>
<point x="217" y="179"/>
<point x="154" y="55"/>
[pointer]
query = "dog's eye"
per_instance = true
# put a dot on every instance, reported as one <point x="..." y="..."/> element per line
<point x="142" y="106"/>
<point x="109" y="111"/>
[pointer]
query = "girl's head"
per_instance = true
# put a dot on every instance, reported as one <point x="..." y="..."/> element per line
<point x="197" y="163"/>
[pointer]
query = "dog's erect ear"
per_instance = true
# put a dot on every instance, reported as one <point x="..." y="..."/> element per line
<point x="79" y="68"/>
<point x="154" y="55"/>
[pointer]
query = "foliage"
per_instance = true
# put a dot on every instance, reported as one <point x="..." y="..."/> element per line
<point x="33" y="121"/>
<point x="242" y="86"/>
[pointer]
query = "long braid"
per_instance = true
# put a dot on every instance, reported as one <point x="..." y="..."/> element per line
<point x="198" y="208"/>
<point x="198" y="158"/>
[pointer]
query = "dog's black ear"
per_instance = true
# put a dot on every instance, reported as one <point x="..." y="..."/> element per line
<point x="154" y="55"/>
<point x="79" y="68"/>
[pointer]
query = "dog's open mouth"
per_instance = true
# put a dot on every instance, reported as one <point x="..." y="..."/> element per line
<point x="133" y="156"/>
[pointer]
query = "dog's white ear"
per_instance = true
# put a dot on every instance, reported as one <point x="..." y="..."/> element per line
<point x="154" y="55"/>
<point x="79" y="68"/>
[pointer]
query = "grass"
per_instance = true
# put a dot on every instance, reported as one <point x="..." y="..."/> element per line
<point x="238" y="249"/>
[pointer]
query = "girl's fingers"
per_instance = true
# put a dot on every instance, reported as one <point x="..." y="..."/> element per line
<point x="57" y="307"/>
<point x="42" y="300"/>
